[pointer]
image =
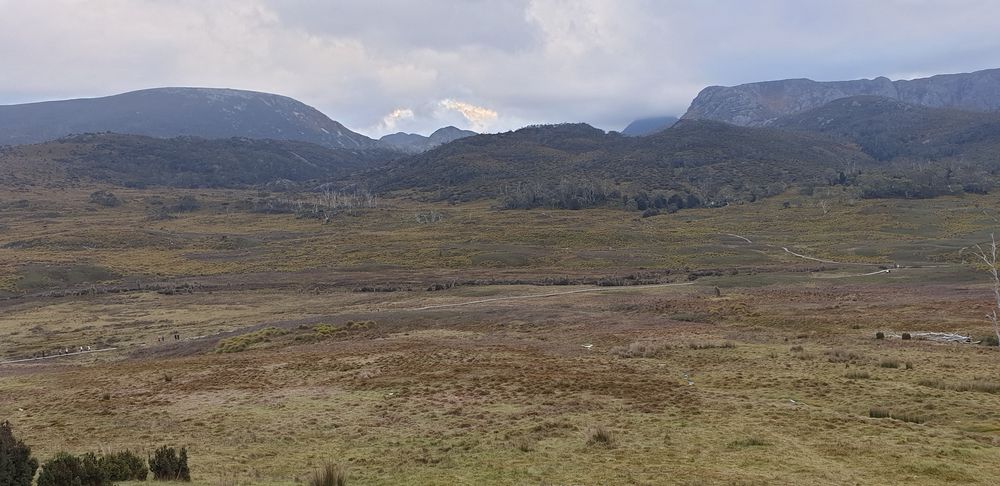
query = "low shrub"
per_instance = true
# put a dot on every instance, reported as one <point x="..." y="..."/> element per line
<point x="990" y="340"/>
<point x="245" y="341"/>
<point x="169" y="465"/>
<point x="92" y="470"/>
<point x="124" y="466"/>
<point x="105" y="198"/>
<point x="889" y="363"/>
<point x="906" y="336"/>
<point x="880" y="335"/>
<point x="69" y="470"/>
<point x="857" y="375"/>
<point x="17" y="467"/>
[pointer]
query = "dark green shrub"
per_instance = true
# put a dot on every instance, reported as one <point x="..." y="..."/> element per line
<point x="17" y="467"/>
<point x="880" y="335"/>
<point x="124" y="466"/>
<point x="907" y="336"/>
<point x="68" y="470"/>
<point x="167" y="465"/>
<point x="105" y="198"/>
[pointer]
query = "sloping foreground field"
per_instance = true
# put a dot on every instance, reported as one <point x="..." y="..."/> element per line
<point x="747" y="357"/>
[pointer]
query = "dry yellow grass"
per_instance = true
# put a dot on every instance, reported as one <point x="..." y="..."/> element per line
<point x="505" y="392"/>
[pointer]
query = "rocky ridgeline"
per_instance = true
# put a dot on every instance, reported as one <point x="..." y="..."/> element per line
<point x="759" y="104"/>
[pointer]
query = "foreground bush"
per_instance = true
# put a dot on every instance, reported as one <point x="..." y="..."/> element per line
<point x="69" y="470"/>
<point x="123" y="466"/>
<point x="167" y="465"/>
<point x="17" y="467"/>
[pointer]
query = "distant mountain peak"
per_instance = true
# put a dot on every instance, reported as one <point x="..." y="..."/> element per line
<point x="211" y="113"/>
<point x="416" y="143"/>
<point x="648" y="126"/>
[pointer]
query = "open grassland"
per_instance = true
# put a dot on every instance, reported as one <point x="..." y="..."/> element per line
<point x="765" y="370"/>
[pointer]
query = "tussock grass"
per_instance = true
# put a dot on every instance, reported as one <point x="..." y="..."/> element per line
<point x="888" y="363"/>
<point x="857" y="375"/>
<point x="747" y="442"/>
<point x="641" y="349"/>
<point x="523" y="444"/>
<point x="981" y="385"/>
<point x="840" y="355"/>
<point x="330" y="475"/>
<point x="600" y="435"/>
<point x="722" y="345"/>
<point x="882" y="412"/>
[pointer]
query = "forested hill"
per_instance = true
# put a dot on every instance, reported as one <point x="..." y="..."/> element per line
<point x="135" y="160"/>
<point x="712" y="161"/>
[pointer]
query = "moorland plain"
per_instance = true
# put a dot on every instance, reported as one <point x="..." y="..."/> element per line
<point x="722" y="345"/>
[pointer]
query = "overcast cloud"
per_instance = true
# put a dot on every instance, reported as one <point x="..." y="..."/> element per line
<point x="381" y="66"/>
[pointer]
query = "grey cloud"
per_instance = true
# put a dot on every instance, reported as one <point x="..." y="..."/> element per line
<point x="531" y="61"/>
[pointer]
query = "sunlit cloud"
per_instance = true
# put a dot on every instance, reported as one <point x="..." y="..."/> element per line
<point x="479" y="118"/>
<point x="391" y="121"/>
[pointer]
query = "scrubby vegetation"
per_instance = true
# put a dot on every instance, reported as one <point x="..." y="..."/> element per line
<point x="17" y="466"/>
<point x="167" y="464"/>
<point x="139" y="161"/>
<point x="105" y="198"/>
<point x="245" y="341"/>
<point x="69" y="470"/>
<point x="92" y="469"/>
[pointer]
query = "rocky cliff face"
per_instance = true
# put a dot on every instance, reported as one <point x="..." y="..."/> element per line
<point x="759" y="104"/>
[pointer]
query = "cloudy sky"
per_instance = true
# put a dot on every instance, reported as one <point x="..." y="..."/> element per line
<point x="382" y="66"/>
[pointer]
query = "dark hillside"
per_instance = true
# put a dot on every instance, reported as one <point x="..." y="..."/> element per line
<point x="134" y="160"/>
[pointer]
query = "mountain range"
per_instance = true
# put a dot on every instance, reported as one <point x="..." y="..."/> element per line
<point x="774" y="136"/>
<point x="760" y="104"/>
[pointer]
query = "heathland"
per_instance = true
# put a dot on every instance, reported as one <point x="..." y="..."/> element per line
<point x="421" y="342"/>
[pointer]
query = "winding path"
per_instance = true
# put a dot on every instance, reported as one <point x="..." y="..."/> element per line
<point x="820" y="260"/>
<point x="39" y="358"/>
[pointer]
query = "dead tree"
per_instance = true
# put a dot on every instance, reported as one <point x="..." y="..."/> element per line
<point x="989" y="257"/>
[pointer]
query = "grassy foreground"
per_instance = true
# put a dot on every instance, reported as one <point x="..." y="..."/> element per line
<point x="764" y="370"/>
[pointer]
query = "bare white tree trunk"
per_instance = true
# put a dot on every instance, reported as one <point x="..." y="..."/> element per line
<point x="989" y="257"/>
